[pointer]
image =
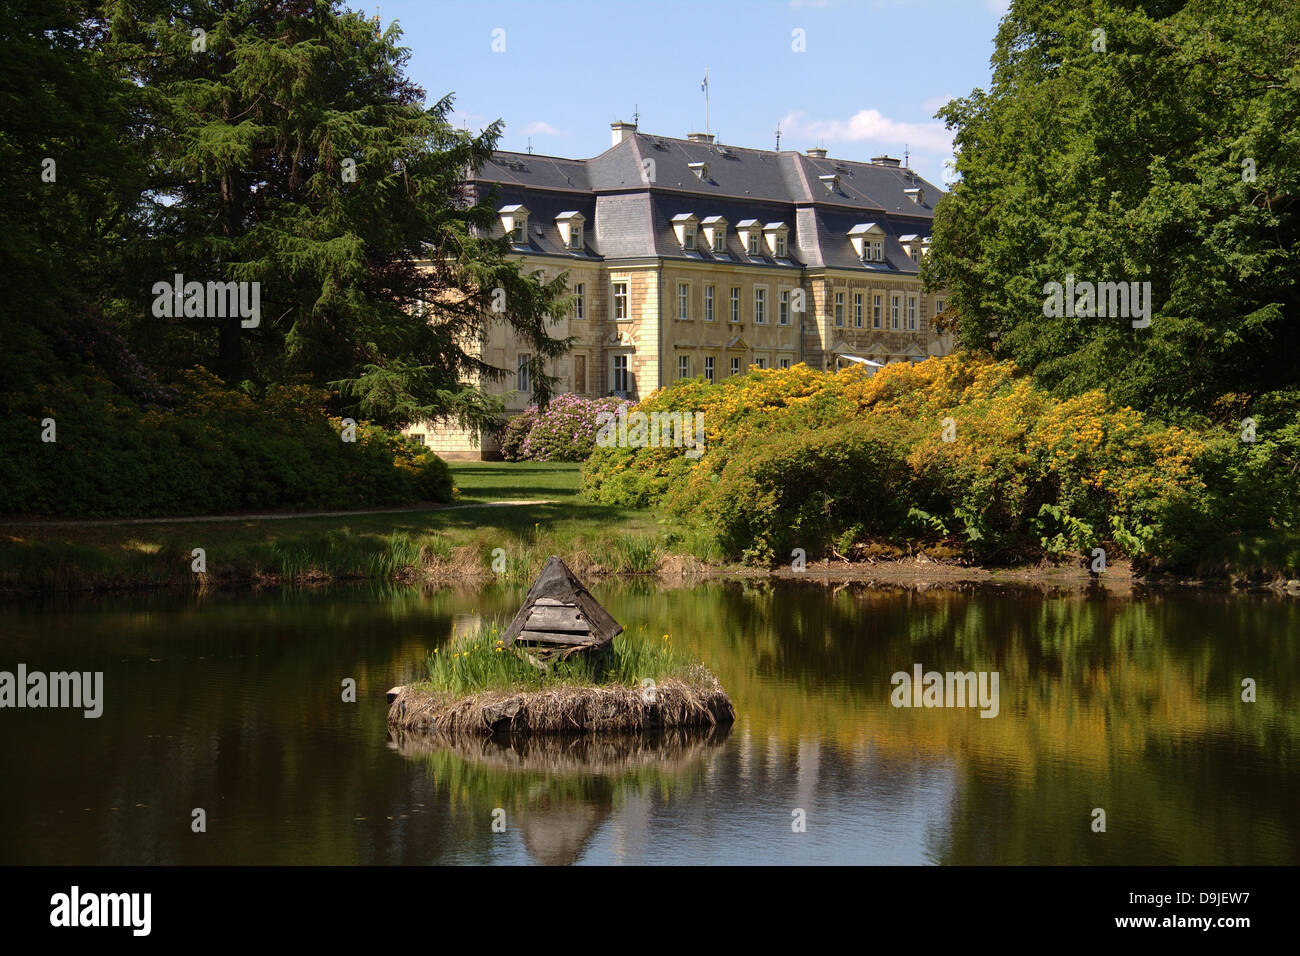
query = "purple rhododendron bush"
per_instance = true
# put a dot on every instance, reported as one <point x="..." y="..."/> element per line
<point x="563" y="431"/>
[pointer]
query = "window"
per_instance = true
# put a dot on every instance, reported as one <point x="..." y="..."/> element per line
<point x="761" y="362"/>
<point x="753" y="243"/>
<point x="683" y="300"/>
<point x="708" y="303"/>
<point x="911" y="313"/>
<point x="580" y="374"/>
<point x="735" y="303"/>
<point x="523" y="380"/>
<point x="780" y="247"/>
<point x="876" y="309"/>
<point x="894" y="307"/>
<point x="938" y="306"/>
<point x="619" y="378"/>
<point x="575" y="235"/>
<point x="580" y="301"/>
<point x="839" y="309"/>
<point x="785" y="363"/>
<point x="708" y="367"/>
<point x="760" y="306"/>
<point x="857" y="310"/>
<point x="620" y="301"/>
<point x="719" y="240"/>
<point x="735" y="366"/>
<point x="519" y="234"/>
<point x="878" y="250"/>
<point x="783" y="311"/>
<point x="688" y="239"/>
<point x="683" y="366"/>
<point x="419" y="438"/>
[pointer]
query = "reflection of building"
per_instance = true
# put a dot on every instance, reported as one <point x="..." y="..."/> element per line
<point x="687" y="258"/>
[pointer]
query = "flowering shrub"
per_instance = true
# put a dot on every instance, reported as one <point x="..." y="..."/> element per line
<point x="958" y="448"/>
<point x="564" y="431"/>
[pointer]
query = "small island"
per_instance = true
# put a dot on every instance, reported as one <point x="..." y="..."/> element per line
<point x="557" y="669"/>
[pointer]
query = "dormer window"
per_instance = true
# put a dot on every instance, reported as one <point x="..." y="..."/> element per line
<point x="776" y="233"/>
<point x="571" y="229"/>
<point x="751" y="233"/>
<point x="701" y="170"/>
<point x="911" y="244"/>
<point x="514" y="220"/>
<point x="685" y="225"/>
<point x="715" y="232"/>
<point x="916" y="194"/>
<point x="830" y="181"/>
<point x="868" y="241"/>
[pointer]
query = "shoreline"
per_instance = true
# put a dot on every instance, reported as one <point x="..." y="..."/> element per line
<point x="670" y="704"/>
<point x="677" y="570"/>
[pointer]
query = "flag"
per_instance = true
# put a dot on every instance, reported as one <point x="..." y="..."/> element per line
<point x="704" y="87"/>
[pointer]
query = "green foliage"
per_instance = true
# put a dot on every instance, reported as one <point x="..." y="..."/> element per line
<point x="1172" y="157"/>
<point x="803" y="459"/>
<point x="218" y="451"/>
<point x="480" y="661"/>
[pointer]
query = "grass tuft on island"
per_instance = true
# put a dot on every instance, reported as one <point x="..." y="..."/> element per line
<point x="477" y="686"/>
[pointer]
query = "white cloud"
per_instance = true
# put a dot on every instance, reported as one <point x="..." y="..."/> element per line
<point x="870" y="126"/>
<point x="929" y="143"/>
<point x="999" y="7"/>
<point x="538" y="128"/>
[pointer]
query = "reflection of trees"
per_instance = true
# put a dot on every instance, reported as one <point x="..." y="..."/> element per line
<point x="231" y="703"/>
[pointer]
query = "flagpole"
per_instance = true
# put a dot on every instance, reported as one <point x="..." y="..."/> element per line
<point x="706" y="100"/>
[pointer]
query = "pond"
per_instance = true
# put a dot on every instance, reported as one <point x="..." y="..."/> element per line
<point x="232" y="704"/>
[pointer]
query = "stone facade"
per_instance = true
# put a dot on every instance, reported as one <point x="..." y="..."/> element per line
<point x="658" y="301"/>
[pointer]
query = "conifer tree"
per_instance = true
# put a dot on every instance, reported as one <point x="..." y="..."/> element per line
<point x="289" y="149"/>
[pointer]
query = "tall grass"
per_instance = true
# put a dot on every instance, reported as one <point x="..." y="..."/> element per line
<point x="341" y="553"/>
<point x="480" y="661"/>
<point x="629" y="554"/>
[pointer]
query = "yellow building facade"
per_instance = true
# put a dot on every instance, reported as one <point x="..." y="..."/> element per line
<point x="689" y="259"/>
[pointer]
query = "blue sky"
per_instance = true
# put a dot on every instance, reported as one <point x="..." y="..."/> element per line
<point x="870" y="77"/>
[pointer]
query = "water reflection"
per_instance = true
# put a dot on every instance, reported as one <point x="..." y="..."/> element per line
<point x="560" y="790"/>
<point x="1130" y="702"/>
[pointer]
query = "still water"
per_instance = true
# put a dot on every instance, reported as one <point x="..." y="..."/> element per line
<point x="232" y="704"/>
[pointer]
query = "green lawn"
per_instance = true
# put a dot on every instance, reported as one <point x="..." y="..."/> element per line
<point x="506" y="481"/>
<point x="407" y="544"/>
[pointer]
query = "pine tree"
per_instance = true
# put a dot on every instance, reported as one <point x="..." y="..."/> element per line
<point x="291" y="150"/>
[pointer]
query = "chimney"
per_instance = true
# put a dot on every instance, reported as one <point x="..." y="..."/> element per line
<point x="621" y="131"/>
<point x="884" y="161"/>
<point x="818" y="153"/>
<point x="700" y="137"/>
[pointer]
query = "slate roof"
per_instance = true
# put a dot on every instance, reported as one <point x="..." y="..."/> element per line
<point x="626" y="216"/>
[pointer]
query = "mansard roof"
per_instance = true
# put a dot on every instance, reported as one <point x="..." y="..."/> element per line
<point x="633" y="190"/>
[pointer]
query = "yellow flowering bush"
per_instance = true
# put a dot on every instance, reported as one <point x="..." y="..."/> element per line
<point x="960" y="448"/>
